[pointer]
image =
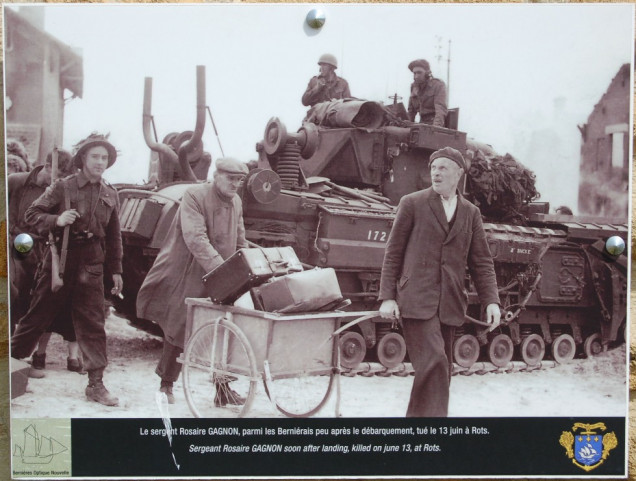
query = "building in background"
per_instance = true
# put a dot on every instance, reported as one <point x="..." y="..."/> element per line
<point x="41" y="74"/>
<point x="604" y="182"/>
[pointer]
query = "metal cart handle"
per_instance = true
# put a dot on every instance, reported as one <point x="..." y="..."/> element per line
<point x="354" y="322"/>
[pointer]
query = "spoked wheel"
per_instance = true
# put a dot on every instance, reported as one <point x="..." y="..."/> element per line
<point x="500" y="350"/>
<point x="391" y="350"/>
<point x="219" y="371"/>
<point x="466" y="350"/>
<point x="563" y="348"/>
<point x="352" y="349"/>
<point x="593" y="345"/>
<point x="532" y="349"/>
<point x="301" y="387"/>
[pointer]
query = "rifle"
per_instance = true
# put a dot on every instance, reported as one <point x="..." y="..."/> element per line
<point x="58" y="263"/>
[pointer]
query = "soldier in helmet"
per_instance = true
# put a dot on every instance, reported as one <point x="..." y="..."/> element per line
<point x="428" y="95"/>
<point x="89" y="206"/>
<point x="326" y="85"/>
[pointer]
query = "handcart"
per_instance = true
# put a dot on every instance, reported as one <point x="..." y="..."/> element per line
<point x="229" y="349"/>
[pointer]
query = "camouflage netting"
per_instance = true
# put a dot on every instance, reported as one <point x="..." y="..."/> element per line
<point x="500" y="186"/>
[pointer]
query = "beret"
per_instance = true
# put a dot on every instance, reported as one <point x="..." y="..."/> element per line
<point x="231" y="166"/>
<point x="420" y="62"/>
<point x="448" y="153"/>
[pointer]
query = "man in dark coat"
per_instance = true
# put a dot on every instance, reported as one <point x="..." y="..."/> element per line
<point x="206" y="230"/>
<point x="428" y="95"/>
<point x="326" y="85"/>
<point x="89" y="206"/>
<point x="436" y="235"/>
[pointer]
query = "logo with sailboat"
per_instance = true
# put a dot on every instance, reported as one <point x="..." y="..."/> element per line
<point x="36" y="448"/>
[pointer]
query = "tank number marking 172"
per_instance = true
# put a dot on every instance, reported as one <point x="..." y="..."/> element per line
<point x="377" y="235"/>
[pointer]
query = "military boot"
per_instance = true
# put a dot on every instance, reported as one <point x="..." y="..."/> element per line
<point x="226" y="395"/>
<point x="166" y="387"/>
<point x="96" y="391"/>
<point x="38" y="361"/>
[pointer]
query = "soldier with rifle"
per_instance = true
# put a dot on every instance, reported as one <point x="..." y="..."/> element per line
<point x="82" y="212"/>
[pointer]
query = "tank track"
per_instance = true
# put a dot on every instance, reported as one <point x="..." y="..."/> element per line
<point x="370" y="369"/>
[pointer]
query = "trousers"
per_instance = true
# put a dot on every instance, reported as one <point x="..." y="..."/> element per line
<point x="168" y="368"/>
<point x="429" y="345"/>
<point x="82" y="295"/>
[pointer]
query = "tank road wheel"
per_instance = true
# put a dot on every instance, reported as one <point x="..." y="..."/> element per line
<point x="218" y="365"/>
<point x="532" y="349"/>
<point x="466" y="350"/>
<point x="563" y="348"/>
<point x="352" y="349"/>
<point x="391" y="350"/>
<point x="593" y="345"/>
<point x="500" y="350"/>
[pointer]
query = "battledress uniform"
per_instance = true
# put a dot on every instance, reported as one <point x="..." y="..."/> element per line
<point x="429" y="100"/>
<point x="336" y="88"/>
<point x="94" y="241"/>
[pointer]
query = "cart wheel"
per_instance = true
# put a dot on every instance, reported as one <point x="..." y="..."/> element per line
<point x="391" y="350"/>
<point x="219" y="371"/>
<point x="301" y="391"/>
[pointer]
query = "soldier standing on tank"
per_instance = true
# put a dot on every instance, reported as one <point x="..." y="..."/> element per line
<point x="436" y="235"/>
<point x="89" y="206"/>
<point x="326" y="85"/>
<point x="428" y="95"/>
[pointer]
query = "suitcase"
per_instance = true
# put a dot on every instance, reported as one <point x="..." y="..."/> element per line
<point x="247" y="268"/>
<point x="307" y="291"/>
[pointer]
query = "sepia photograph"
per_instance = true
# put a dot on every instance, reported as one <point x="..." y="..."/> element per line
<point x="408" y="219"/>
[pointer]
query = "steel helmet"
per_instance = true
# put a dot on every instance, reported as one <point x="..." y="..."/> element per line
<point x="328" y="59"/>
<point x="94" y="140"/>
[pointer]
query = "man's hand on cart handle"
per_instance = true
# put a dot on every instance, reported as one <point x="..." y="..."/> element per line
<point x="493" y="316"/>
<point x="389" y="309"/>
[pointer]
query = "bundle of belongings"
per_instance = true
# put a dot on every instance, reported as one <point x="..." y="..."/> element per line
<point x="275" y="281"/>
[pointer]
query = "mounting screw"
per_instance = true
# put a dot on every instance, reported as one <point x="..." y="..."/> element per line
<point x="316" y="18"/>
<point x="23" y="243"/>
<point x="615" y="245"/>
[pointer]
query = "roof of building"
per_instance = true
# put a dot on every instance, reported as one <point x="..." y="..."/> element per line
<point x="72" y="63"/>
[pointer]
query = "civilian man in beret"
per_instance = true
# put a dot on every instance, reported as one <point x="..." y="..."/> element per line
<point x="436" y="235"/>
<point x="326" y="85"/>
<point x="428" y="95"/>
<point x="89" y="206"/>
<point x="206" y="230"/>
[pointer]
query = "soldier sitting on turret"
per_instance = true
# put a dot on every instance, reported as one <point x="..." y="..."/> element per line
<point x="327" y="85"/>
<point x="428" y="95"/>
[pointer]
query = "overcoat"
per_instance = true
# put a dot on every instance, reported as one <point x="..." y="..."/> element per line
<point x="207" y="229"/>
<point x="425" y="261"/>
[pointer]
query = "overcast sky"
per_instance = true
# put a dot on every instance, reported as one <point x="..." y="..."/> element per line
<point x="510" y="65"/>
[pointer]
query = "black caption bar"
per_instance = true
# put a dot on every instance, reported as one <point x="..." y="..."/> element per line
<point x="345" y="447"/>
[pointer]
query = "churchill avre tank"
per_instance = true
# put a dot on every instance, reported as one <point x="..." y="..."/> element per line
<point x="330" y="191"/>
